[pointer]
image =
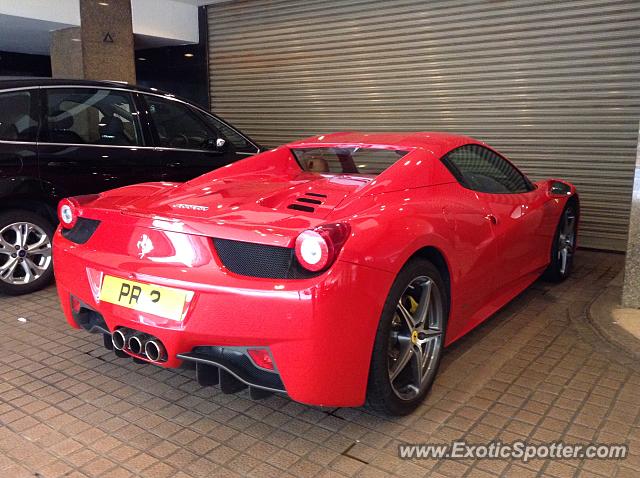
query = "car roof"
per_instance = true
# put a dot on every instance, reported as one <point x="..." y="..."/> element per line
<point x="409" y="139"/>
<point x="8" y="83"/>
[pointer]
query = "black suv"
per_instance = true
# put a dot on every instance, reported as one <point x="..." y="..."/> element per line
<point x="63" y="138"/>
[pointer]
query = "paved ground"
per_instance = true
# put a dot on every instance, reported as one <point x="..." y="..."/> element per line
<point x="620" y="326"/>
<point x="534" y="371"/>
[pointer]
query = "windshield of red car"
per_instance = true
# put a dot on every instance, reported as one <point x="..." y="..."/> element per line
<point x="346" y="160"/>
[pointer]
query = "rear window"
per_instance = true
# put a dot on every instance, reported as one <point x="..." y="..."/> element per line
<point x="346" y="160"/>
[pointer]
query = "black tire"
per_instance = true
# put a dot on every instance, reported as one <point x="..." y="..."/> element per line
<point x="382" y="390"/>
<point x="43" y="278"/>
<point x="560" y="268"/>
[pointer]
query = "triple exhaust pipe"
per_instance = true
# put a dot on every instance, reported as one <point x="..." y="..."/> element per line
<point x="139" y="344"/>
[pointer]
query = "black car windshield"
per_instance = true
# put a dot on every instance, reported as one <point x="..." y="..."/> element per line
<point x="346" y="160"/>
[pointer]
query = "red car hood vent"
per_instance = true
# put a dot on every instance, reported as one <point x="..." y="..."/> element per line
<point x="308" y="202"/>
<point x="247" y="198"/>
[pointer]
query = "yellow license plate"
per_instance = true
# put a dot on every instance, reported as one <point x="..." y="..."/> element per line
<point x="151" y="299"/>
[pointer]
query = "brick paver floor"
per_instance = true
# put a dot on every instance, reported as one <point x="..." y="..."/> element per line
<point x="535" y="371"/>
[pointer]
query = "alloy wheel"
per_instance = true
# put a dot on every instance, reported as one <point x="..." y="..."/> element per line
<point x="416" y="338"/>
<point x="566" y="239"/>
<point x="25" y="253"/>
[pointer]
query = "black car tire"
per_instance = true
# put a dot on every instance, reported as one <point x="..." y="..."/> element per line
<point x="8" y="218"/>
<point x="556" y="271"/>
<point x="381" y="394"/>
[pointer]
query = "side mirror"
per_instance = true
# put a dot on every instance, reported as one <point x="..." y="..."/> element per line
<point x="219" y="144"/>
<point x="558" y="188"/>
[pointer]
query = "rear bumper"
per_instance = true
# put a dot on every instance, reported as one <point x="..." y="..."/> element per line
<point x="320" y="331"/>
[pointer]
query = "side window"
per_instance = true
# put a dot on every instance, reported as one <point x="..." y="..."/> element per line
<point x="92" y="116"/>
<point x="178" y="125"/>
<point x="239" y="142"/>
<point x="17" y="118"/>
<point x="482" y="170"/>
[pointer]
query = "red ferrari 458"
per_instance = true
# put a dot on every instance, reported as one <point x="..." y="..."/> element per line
<point x="334" y="269"/>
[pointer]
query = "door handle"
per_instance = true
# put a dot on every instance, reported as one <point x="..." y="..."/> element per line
<point x="174" y="164"/>
<point x="61" y="164"/>
<point x="491" y="218"/>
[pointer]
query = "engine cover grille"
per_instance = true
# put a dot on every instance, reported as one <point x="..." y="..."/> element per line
<point x="259" y="260"/>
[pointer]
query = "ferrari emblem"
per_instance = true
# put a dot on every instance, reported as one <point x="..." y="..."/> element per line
<point x="145" y="246"/>
<point x="192" y="207"/>
<point x="414" y="337"/>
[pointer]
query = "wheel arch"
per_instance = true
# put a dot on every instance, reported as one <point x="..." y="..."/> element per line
<point x="439" y="260"/>
<point x="37" y="205"/>
<point x="27" y="193"/>
<point x="574" y="200"/>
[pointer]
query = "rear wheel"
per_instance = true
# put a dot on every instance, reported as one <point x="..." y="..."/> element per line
<point x="409" y="340"/>
<point x="563" y="247"/>
<point x="25" y="252"/>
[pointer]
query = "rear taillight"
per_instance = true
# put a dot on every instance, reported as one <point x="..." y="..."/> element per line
<point x="68" y="212"/>
<point x="69" y="209"/>
<point x="318" y="248"/>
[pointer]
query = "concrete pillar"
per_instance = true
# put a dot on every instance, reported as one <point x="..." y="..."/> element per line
<point x="631" y="290"/>
<point x="101" y="48"/>
<point x="66" y="53"/>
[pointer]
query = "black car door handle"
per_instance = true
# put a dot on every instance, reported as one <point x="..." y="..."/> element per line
<point x="61" y="164"/>
<point x="174" y="164"/>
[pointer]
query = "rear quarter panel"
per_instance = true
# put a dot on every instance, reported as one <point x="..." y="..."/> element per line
<point x="399" y="224"/>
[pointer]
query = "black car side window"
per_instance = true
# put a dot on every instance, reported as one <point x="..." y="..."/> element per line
<point x="91" y="116"/>
<point x="239" y="142"/>
<point x="17" y="118"/>
<point x="178" y="125"/>
<point x="480" y="169"/>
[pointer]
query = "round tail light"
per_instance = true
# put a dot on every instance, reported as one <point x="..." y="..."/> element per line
<point x="68" y="213"/>
<point x="316" y="249"/>
<point x="69" y="209"/>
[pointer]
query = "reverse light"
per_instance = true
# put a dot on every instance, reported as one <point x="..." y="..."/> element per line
<point x="261" y="358"/>
<point x="316" y="249"/>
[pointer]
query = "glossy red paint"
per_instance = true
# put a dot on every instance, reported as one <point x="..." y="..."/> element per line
<point x="319" y="330"/>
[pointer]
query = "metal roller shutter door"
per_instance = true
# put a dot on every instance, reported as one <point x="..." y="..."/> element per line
<point x="553" y="85"/>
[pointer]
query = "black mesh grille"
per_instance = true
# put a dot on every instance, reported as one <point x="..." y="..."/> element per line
<point x="82" y="231"/>
<point x="259" y="260"/>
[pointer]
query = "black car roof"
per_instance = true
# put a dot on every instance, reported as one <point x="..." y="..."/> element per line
<point x="8" y="83"/>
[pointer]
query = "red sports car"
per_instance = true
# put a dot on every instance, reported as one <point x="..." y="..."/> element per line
<point x="334" y="269"/>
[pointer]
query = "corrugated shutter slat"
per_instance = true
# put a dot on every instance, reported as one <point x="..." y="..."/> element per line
<point x="553" y="85"/>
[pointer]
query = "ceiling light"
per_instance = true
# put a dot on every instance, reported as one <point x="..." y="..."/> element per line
<point x="103" y="4"/>
<point x="188" y="55"/>
<point x="142" y="58"/>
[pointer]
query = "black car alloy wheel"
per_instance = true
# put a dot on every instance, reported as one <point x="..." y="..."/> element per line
<point x="25" y="252"/>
